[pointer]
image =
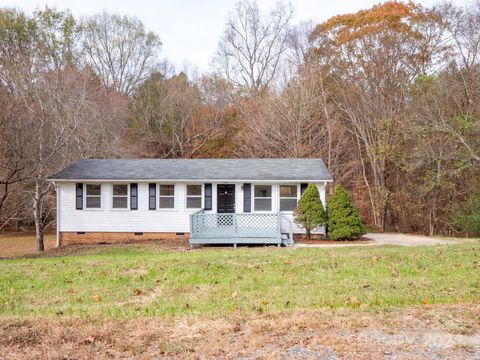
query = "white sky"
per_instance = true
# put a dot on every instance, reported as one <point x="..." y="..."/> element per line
<point x="190" y="29"/>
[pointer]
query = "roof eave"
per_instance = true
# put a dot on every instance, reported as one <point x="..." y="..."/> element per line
<point x="191" y="180"/>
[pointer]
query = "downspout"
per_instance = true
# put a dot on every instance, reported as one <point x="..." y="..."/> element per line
<point x="58" y="240"/>
<point x="325" y="227"/>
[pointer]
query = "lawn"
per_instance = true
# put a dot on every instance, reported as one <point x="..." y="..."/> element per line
<point x="19" y="244"/>
<point x="133" y="281"/>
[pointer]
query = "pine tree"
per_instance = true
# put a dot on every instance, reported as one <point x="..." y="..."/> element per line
<point x="310" y="212"/>
<point x="343" y="219"/>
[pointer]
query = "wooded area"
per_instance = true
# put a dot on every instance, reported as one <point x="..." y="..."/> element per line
<point x="389" y="97"/>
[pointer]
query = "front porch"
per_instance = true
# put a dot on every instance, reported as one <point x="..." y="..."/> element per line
<point x="241" y="228"/>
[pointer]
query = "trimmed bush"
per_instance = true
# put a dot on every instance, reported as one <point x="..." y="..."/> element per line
<point x="310" y="212"/>
<point x="343" y="219"/>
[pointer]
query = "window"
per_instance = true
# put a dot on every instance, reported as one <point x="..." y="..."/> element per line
<point x="263" y="198"/>
<point x="120" y="196"/>
<point x="288" y="197"/>
<point x="167" y="197"/>
<point x="93" y="196"/>
<point x="194" y="196"/>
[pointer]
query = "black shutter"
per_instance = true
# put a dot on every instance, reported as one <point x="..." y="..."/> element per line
<point x="247" y="198"/>
<point x="133" y="196"/>
<point x="152" y="196"/>
<point x="302" y="188"/>
<point x="208" y="196"/>
<point x="79" y="196"/>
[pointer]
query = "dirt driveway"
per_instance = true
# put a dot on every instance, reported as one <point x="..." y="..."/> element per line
<point x="372" y="239"/>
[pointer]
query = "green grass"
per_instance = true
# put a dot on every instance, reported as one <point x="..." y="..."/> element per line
<point x="138" y="281"/>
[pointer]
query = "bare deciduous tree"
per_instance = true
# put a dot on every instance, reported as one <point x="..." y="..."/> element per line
<point x="253" y="45"/>
<point x="120" y="50"/>
<point x="301" y="121"/>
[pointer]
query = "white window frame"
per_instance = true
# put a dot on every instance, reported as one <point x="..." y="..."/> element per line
<point x="165" y="196"/>
<point x="85" y="196"/>
<point x="280" y="197"/>
<point x="128" y="197"/>
<point x="196" y="196"/>
<point x="271" y="198"/>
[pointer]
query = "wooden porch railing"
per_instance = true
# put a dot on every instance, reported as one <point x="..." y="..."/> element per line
<point x="235" y="228"/>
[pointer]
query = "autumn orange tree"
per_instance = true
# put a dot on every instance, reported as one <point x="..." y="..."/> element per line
<point x="375" y="55"/>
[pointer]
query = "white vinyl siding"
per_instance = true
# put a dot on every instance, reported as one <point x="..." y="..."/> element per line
<point x="107" y="219"/>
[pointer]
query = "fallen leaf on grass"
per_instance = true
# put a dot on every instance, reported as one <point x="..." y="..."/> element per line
<point x="352" y="301"/>
<point x="394" y="271"/>
<point x="234" y="295"/>
<point x="89" y="340"/>
<point x="97" y="298"/>
<point x="137" y="292"/>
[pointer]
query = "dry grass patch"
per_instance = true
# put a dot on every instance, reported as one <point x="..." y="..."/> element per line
<point x="21" y="244"/>
<point x="411" y="333"/>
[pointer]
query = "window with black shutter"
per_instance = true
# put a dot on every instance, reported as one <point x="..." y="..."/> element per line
<point x="79" y="196"/>
<point x="208" y="196"/>
<point x="247" y="198"/>
<point x="152" y="189"/>
<point x="133" y="196"/>
<point x="302" y="188"/>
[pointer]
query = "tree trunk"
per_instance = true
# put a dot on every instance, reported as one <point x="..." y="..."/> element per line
<point x="39" y="239"/>
<point x="308" y="235"/>
<point x="37" y="214"/>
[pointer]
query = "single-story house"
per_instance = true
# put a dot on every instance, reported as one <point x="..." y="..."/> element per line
<point x="210" y="201"/>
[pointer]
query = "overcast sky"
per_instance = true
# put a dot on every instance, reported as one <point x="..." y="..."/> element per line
<point x="190" y="29"/>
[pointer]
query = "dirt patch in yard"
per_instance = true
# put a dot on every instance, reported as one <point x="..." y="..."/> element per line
<point x="14" y="247"/>
<point x="450" y="332"/>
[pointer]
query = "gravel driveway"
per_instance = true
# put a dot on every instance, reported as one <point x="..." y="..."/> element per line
<point x="387" y="239"/>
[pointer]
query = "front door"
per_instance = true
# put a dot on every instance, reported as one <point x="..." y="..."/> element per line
<point x="225" y="198"/>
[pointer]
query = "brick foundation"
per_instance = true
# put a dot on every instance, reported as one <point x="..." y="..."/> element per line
<point x="70" y="238"/>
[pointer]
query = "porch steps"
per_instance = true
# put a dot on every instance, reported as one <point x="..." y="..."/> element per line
<point x="287" y="240"/>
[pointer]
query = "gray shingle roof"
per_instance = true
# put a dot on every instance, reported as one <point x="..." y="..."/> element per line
<point x="195" y="169"/>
